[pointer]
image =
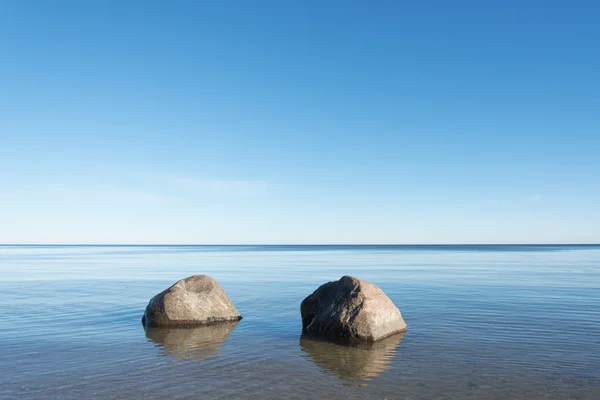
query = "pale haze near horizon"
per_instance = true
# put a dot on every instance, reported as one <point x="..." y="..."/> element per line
<point x="265" y="122"/>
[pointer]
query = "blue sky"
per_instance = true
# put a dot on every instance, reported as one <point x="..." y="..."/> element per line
<point x="299" y="122"/>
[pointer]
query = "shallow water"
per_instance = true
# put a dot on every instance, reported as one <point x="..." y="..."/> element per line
<point x="484" y="322"/>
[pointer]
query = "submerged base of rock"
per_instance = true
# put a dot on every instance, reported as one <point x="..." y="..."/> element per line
<point x="197" y="300"/>
<point x="350" y="310"/>
<point x="189" y="323"/>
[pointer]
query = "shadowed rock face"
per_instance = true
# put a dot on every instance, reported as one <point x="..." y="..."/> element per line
<point x="350" y="310"/>
<point x="191" y="342"/>
<point x="352" y="362"/>
<point x="197" y="300"/>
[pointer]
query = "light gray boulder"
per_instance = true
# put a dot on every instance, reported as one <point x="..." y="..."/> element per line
<point x="197" y="300"/>
<point x="350" y="310"/>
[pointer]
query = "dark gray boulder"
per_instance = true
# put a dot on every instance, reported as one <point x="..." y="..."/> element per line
<point x="350" y="310"/>
<point x="197" y="300"/>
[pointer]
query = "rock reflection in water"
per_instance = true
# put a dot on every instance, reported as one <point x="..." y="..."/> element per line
<point x="191" y="342"/>
<point x="352" y="362"/>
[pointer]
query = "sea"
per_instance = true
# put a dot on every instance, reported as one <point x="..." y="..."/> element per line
<point x="484" y="322"/>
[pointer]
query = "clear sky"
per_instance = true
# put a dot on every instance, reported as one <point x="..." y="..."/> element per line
<point x="299" y="122"/>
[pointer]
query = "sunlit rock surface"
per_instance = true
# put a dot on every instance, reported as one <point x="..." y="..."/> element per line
<point x="197" y="300"/>
<point x="350" y="310"/>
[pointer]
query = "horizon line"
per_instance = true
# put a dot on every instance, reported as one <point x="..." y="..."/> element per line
<point x="299" y="244"/>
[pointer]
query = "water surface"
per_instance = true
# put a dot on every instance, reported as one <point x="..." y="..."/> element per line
<point x="484" y="322"/>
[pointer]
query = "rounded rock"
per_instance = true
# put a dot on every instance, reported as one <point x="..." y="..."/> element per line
<point x="350" y="309"/>
<point x="197" y="300"/>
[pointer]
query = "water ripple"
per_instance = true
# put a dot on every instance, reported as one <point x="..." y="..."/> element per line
<point x="485" y="322"/>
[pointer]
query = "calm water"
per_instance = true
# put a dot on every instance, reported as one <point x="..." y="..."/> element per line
<point x="484" y="322"/>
